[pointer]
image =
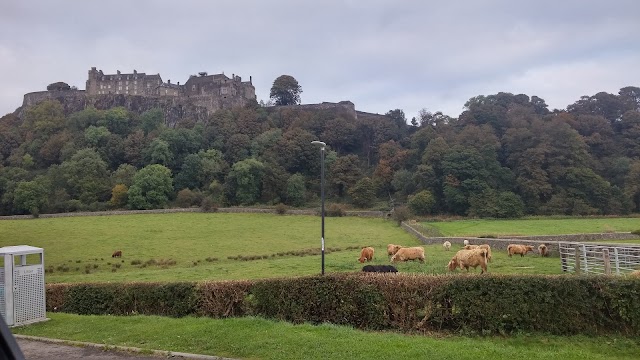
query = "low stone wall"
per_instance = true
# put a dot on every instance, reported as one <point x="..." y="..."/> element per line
<point x="380" y="214"/>
<point x="501" y="243"/>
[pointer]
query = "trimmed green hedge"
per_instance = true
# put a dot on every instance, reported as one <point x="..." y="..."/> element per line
<point x="472" y="304"/>
<point x="172" y="299"/>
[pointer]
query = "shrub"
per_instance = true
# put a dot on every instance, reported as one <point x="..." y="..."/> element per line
<point x="335" y="210"/>
<point x="422" y="203"/>
<point x="185" y="198"/>
<point x="400" y="214"/>
<point x="281" y="209"/>
<point x="119" y="196"/>
<point x="209" y="205"/>
<point x="636" y="232"/>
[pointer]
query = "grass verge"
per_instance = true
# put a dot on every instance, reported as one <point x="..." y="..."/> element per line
<point x="535" y="226"/>
<point x="257" y="338"/>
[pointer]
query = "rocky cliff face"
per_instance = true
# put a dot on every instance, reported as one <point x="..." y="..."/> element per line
<point x="176" y="110"/>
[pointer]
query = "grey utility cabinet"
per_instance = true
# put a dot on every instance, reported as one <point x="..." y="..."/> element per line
<point x="22" y="292"/>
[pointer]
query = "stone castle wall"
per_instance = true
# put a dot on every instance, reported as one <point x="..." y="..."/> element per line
<point x="37" y="97"/>
<point x="343" y="106"/>
<point x="175" y="109"/>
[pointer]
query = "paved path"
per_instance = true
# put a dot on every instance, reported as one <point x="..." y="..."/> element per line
<point x="50" y="349"/>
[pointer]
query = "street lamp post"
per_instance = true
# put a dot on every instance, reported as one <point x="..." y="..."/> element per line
<point x="322" y="146"/>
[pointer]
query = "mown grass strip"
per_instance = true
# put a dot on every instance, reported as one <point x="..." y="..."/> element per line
<point x="265" y="339"/>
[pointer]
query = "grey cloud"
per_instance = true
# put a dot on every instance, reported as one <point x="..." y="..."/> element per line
<point x="379" y="54"/>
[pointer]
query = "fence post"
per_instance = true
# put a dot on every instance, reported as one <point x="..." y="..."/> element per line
<point x="563" y="257"/>
<point x="607" y="261"/>
<point x="584" y="256"/>
<point x="577" y="253"/>
<point x="617" y="260"/>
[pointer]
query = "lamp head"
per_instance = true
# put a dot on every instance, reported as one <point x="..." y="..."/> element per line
<point x="319" y="143"/>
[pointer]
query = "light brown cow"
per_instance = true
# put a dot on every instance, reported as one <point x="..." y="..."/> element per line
<point x="516" y="249"/>
<point x="117" y="253"/>
<point x="542" y="248"/>
<point x="366" y="254"/>
<point x="469" y="258"/>
<point x="393" y="249"/>
<point x="409" y="253"/>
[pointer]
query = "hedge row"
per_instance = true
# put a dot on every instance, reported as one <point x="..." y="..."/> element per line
<point x="560" y="305"/>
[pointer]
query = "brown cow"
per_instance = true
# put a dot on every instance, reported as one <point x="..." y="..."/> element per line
<point x="515" y="249"/>
<point x="542" y="248"/>
<point x="366" y="254"/>
<point x="393" y="249"/>
<point x="410" y="253"/>
<point x="469" y="258"/>
<point x="117" y="253"/>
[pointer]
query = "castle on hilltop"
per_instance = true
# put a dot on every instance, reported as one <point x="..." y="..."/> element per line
<point x="211" y="91"/>
<point x="198" y="97"/>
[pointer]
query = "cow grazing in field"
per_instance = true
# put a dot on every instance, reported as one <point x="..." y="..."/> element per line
<point x="469" y="258"/>
<point x="117" y="253"/>
<point x="393" y="249"/>
<point x="379" y="268"/>
<point x="522" y="250"/>
<point x="542" y="248"/>
<point x="366" y="254"/>
<point x="409" y="253"/>
<point x="446" y="245"/>
<point x="488" y="248"/>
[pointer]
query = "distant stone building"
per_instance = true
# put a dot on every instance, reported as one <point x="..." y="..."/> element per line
<point x="211" y="91"/>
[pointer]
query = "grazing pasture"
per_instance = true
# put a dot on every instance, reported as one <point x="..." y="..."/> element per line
<point x="222" y="246"/>
<point x="535" y="226"/>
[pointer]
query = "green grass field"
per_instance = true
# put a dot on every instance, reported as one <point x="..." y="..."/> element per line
<point x="255" y="338"/>
<point x="535" y="226"/>
<point x="201" y="246"/>
<point x="198" y="246"/>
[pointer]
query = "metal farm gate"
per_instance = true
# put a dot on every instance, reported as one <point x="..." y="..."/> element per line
<point x="600" y="259"/>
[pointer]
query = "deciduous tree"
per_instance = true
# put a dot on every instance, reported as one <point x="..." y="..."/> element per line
<point x="285" y="90"/>
<point x="152" y="186"/>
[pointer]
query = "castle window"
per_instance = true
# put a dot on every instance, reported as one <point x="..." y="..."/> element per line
<point x="119" y="87"/>
<point x="135" y="93"/>
<point x="193" y="87"/>
<point x="148" y="85"/>
<point x="135" y="81"/>
<point x="109" y="86"/>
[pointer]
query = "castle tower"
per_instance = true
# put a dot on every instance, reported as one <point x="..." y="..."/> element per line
<point x="92" y="82"/>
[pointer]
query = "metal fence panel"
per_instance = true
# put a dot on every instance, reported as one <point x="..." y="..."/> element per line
<point x="590" y="258"/>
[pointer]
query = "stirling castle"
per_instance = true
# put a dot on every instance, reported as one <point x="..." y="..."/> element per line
<point x="212" y="92"/>
<point x="200" y="96"/>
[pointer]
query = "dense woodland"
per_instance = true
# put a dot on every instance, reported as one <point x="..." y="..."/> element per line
<point x="505" y="156"/>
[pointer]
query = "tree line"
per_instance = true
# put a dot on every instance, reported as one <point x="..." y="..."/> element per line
<point x="505" y="155"/>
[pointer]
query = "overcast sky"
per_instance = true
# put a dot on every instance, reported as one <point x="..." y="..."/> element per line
<point x="381" y="55"/>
